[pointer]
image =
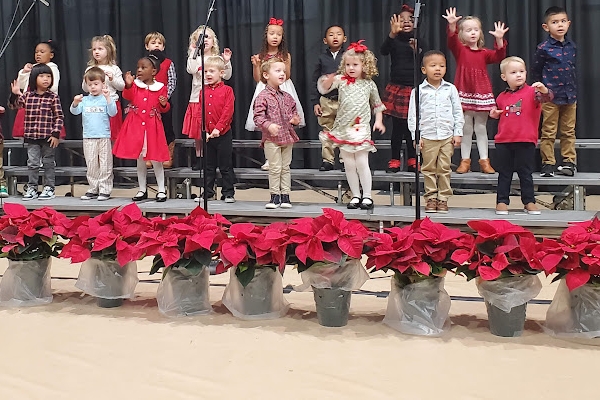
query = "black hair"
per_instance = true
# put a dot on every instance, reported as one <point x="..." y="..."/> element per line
<point x="50" y="44"/>
<point x="154" y="60"/>
<point x="431" y="53"/>
<point x="553" y="11"/>
<point x="160" y="55"/>
<point x="334" y="26"/>
<point x="36" y="71"/>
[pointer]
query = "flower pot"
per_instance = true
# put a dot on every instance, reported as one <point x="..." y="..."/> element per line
<point x="506" y="324"/>
<point x="108" y="281"/>
<point x="181" y="293"/>
<point x="574" y="313"/>
<point x="333" y="306"/>
<point x="419" y="308"/>
<point x="26" y="283"/>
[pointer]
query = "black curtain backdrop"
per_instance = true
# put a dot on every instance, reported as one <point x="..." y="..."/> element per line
<point x="239" y="25"/>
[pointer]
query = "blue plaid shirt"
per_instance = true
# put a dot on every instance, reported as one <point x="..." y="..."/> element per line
<point x="554" y="66"/>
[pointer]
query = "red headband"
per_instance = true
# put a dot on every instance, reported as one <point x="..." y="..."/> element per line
<point x="406" y="7"/>
<point x="358" y="47"/>
<point x="274" y="21"/>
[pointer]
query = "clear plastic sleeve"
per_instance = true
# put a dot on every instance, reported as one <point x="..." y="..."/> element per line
<point x="262" y="298"/>
<point x="180" y="293"/>
<point x="350" y="275"/>
<point x="26" y="283"/>
<point x="420" y="308"/>
<point x="107" y="279"/>
<point x="507" y="293"/>
<point x="574" y="314"/>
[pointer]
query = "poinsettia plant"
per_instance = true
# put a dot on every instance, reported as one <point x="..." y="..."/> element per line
<point x="190" y="242"/>
<point x="112" y="235"/>
<point x="422" y="250"/>
<point x="501" y="250"/>
<point x="575" y="256"/>
<point x="31" y="235"/>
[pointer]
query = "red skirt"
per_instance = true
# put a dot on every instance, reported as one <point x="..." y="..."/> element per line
<point x="396" y="100"/>
<point x="116" y="122"/>
<point x="18" y="130"/>
<point x="192" y="123"/>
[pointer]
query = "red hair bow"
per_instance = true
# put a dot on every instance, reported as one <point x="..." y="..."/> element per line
<point x="358" y="47"/>
<point x="274" y="21"/>
<point x="407" y="8"/>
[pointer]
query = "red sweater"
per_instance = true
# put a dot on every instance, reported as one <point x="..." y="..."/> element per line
<point x="521" y="111"/>
<point x="219" y="107"/>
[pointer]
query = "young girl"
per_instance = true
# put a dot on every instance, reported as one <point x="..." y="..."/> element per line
<point x="142" y="136"/>
<point x="193" y="115"/>
<point x="273" y="46"/>
<point x="351" y="131"/>
<point x="103" y="54"/>
<point x="43" y="122"/>
<point x="473" y="83"/>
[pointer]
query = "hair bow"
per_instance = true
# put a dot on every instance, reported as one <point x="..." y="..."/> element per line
<point x="348" y="79"/>
<point x="406" y="7"/>
<point x="358" y="47"/>
<point x="274" y="21"/>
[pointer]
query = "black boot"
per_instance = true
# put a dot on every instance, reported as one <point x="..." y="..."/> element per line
<point x="197" y="165"/>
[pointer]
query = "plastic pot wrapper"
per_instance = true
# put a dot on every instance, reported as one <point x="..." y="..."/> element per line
<point x="350" y="275"/>
<point x="107" y="279"/>
<point x="26" y="283"/>
<point x="574" y="313"/>
<point x="420" y="308"/>
<point x="507" y="293"/>
<point x="262" y="298"/>
<point x="181" y="293"/>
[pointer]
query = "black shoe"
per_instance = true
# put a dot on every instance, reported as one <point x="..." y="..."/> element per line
<point x="140" y="196"/>
<point x="354" y="203"/>
<point x="343" y="168"/>
<point x="366" y="204"/>
<point x="547" y="170"/>
<point x="161" y="197"/>
<point x="197" y="165"/>
<point x="274" y="203"/>
<point x="285" y="201"/>
<point x="568" y="169"/>
<point x="326" y="166"/>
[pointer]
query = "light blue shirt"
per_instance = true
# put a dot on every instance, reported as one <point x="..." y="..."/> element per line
<point x="441" y="114"/>
<point x="96" y="115"/>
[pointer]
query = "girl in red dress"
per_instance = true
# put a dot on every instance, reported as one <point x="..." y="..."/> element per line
<point x="142" y="136"/>
<point x="473" y="83"/>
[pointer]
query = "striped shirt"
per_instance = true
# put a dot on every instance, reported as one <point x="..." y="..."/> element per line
<point x="43" y="114"/>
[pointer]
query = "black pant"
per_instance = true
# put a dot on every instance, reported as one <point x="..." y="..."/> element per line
<point x="219" y="154"/>
<point x="401" y="132"/>
<point x="515" y="157"/>
<point x="167" y="121"/>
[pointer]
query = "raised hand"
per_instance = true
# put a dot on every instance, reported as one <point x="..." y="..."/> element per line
<point x="255" y="59"/>
<point x="395" y="25"/>
<point x="14" y="87"/>
<point x="451" y="16"/>
<point x="106" y="93"/>
<point x="109" y="74"/>
<point x="227" y="54"/>
<point x="128" y="79"/>
<point x="77" y="99"/>
<point x="27" y="67"/>
<point x="499" y="30"/>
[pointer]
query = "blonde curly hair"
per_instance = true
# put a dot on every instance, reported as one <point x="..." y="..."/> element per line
<point x="368" y="60"/>
<point x="214" y="50"/>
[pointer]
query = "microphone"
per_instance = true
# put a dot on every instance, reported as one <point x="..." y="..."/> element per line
<point x="44" y="2"/>
<point x="417" y="12"/>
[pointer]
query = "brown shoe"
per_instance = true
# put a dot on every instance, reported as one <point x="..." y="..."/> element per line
<point x="501" y="209"/>
<point x="532" y="209"/>
<point x="169" y="164"/>
<point x="442" y="206"/>
<point x="464" y="167"/>
<point x="431" y="206"/>
<point x="485" y="166"/>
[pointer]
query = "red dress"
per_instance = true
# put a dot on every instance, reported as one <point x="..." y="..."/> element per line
<point x="472" y="80"/>
<point x="143" y="121"/>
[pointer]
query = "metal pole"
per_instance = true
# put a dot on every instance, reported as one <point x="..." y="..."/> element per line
<point x="417" y="78"/>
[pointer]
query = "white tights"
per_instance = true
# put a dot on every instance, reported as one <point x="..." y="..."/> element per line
<point x="358" y="172"/>
<point x="475" y="121"/>
<point x="159" y="173"/>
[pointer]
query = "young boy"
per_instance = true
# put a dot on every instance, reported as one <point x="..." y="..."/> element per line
<point x="441" y="128"/>
<point x="96" y="110"/>
<point x="519" y="108"/>
<point x="325" y="106"/>
<point x="275" y="114"/>
<point x="219" y="146"/>
<point x="554" y="66"/>
<point x="155" y="43"/>
<point x="3" y="189"/>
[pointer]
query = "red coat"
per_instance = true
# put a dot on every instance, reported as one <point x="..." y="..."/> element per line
<point x="143" y="119"/>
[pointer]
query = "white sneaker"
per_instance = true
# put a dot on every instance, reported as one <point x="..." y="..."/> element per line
<point x="30" y="194"/>
<point x="89" y="196"/>
<point x="103" y="197"/>
<point x="265" y="166"/>
<point x="47" y="193"/>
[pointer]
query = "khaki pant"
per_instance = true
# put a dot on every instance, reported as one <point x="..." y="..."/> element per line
<point x="437" y="155"/>
<point x="99" y="162"/>
<point x="329" y="110"/>
<point x="2" y="180"/>
<point x="280" y="158"/>
<point x="558" y="118"/>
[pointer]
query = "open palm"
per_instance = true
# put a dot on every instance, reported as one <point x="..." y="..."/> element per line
<point x="499" y="30"/>
<point x="451" y="16"/>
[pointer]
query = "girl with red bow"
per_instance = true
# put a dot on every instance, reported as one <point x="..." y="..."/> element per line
<point x="351" y="131"/>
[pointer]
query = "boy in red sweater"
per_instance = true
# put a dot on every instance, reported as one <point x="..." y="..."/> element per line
<point x="519" y="108"/>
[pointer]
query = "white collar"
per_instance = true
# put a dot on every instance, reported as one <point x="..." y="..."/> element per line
<point x="155" y="87"/>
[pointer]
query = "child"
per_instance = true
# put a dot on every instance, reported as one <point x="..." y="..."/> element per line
<point x="554" y="65"/>
<point x="400" y="45"/>
<point x="325" y="107"/>
<point x="3" y="189"/>
<point x="274" y="45"/>
<point x="98" y="109"/>
<point x="351" y="131"/>
<point x="219" y="111"/>
<point x="142" y="136"/>
<point x="473" y="83"/>
<point x="441" y="126"/>
<point x="519" y="109"/>
<point x="103" y="54"/>
<point x="155" y="43"/>
<point x="43" y="123"/>
<point x="192" y="123"/>
<point x="276" y="115"/>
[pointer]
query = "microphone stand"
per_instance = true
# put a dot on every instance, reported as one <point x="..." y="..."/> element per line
<point x="417" y="79"/>
<point x="200" y="49"/>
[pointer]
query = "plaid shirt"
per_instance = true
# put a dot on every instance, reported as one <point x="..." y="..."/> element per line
<point x="273" y="106"/>
<point x="171" y="80"/>
<point x="43" y="114"/>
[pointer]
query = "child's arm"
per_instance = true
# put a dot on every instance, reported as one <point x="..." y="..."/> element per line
<point x="255" y="59"/>
<point x="377" y="107"/>
<point x="171" y="80"/>
<point x="16" y="98"/>
<point x="55" y="77"/>
<point x="327" y="83"/>
<point x="454" y="43"/>
<point x="23" y="77"/>
<point x="111" y="106"/>
<point x="117" y="82"/>
<point x="537" y="65"/>
<point x="193" y="65"/>
<point x="499" y="52"/>
<point x="163" y="101"/>
<point x="542" y="93"/>
<point x="228" y="67"/>
<point x="59" y="119"/>
<point x="288" y="66"/>
<point x="314" y="92"/>
<point x="261" y="119"/>
<point x="459" y="118"/>
<point x="77" y="106"/>
<point x="226" y="112"/>
<point x="412" y="114"/>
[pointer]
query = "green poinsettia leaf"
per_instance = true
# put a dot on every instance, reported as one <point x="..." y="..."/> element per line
<point x="203" y="257"/>
<point x="245" y="274"/>
<point x="157" y="263"/>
